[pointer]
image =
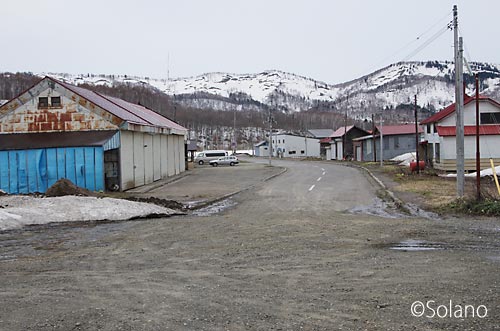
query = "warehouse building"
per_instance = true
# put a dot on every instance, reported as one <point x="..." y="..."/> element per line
<point x="56" y="130"/>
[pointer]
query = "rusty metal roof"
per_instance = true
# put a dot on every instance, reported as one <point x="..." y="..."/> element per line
<point x="55" y="139"/>
<point x="392" y="130"/>
<point x="129" y="112"/>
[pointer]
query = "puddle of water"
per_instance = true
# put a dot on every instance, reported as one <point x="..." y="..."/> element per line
<point x="215" y="208"/>
<point x="494" y="258"/>
<point x="383" y="209"/>
<point x="416" y="245"/>
<point x="378" y="208"/>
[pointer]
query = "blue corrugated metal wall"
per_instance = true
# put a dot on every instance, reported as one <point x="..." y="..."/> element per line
<point x="35" y="170"/>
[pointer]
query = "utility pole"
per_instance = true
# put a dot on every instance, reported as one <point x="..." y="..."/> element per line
<point x="305" y="138"/>
<point x="374" y="142"/>
<point x="270" y="136"/>
<point x="459" y="100"/>
<point x="344" y="138"/>
<point x="478" y="153"/>
<point x="234" y="132"/>
<point x="381" y="142"/>
<point x="416" y="135"/>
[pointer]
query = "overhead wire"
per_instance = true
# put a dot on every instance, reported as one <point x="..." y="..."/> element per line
<point x="419" y="37"/>
<point x="426" y="43"/>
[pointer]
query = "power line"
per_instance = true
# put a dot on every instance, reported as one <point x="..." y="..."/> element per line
<point x="426" y="43"/>
<point x="393" y="55"/>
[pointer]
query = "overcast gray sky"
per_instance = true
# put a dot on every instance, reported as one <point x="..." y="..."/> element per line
<point x="329" y="40"/>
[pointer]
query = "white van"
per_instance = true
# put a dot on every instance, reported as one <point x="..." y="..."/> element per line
<point x="207" y="156"/>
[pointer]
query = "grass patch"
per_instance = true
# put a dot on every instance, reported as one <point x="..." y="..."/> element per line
<point x="486" y="207"/>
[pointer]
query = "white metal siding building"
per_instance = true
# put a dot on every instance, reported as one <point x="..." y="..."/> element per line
<point x="440" y="134"/>
<point x="288" y="145"/>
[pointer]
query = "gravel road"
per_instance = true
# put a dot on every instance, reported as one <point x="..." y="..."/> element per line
<point x="286" y="254"/>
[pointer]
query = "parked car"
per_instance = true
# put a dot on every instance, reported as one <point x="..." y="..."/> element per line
<point x="225" y="160"/>
<point x="209" y="155"/>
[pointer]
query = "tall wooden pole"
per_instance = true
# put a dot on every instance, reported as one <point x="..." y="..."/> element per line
<point x="381" y="142"/>
<point x="344" y="138"/>
<point x="416" y="135"/>
<point x="270" y="136"/>
<point x="459" y="101"/>
<point x="478" y="152"/>
<point x="374" y="142"/>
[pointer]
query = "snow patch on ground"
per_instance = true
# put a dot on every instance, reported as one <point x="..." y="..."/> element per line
<point x="405" y="159"/>
<point x="18" y="211"/>
<point x="482" y="173"/>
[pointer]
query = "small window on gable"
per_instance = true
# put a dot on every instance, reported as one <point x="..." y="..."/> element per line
<point x="43" y="102"/>
<point x="55" y="101"/>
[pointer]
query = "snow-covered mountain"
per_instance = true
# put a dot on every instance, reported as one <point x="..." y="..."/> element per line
<point x="387" y="88"/>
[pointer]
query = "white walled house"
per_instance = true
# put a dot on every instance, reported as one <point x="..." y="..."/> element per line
<point x="290" y="145"/>
<point x="440" y="135"/>
<point x="56" y="130"/>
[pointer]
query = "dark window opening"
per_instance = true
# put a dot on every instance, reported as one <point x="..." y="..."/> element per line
<point x="438" y="152"/>
<point x="428" y="126"/>
<point x="490" y="118"/>
<point x="43" y="102"/>
<point x="291" y="152"/>
<point x="55" y="101"/>
<point x="302" y="152"/>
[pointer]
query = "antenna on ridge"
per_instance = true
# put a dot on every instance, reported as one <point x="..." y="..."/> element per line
<point x="168" y="66"/>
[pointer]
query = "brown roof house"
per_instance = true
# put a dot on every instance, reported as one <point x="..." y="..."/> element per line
<point x="341" y="137"/>
<point x="56" y="130"/>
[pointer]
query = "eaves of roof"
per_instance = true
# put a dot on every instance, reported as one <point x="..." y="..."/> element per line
<point x="469" y="130"/>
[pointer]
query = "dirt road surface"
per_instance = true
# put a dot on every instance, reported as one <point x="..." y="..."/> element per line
<point x="285" y="255"/>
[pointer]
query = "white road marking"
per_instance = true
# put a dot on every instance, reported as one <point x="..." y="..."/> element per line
<point x="311" y="188"/>
<point x="324" y="173"/>
<point x="322" y="169"/>
<point x="318" y="179"/>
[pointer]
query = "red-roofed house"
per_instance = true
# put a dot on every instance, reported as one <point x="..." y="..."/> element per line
<point x="440" y="134"/>
<point x="56" y="130"/>
<point x="397" y="140"/>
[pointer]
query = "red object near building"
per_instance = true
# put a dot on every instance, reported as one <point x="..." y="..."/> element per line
<point x="413" y="165"/>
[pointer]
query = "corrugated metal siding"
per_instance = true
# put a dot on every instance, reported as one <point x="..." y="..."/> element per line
<point x="112" y="143"/>
<point x="35" y="170"/>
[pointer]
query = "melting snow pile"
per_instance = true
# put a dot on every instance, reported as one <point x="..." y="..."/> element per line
<point x="18" y="211"/>
<point x="482" y="173"/>
<point x="405" y="159"/>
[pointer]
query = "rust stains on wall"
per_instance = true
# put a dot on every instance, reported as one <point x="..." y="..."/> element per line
<point x="70" y="117"/>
